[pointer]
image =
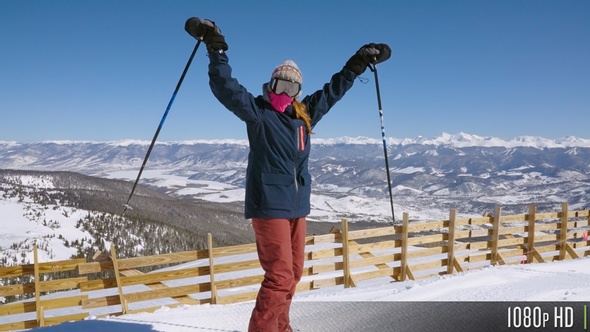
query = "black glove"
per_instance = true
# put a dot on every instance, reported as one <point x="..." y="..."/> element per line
<point x="208" y="32"/>
<point x="367" y="54"/>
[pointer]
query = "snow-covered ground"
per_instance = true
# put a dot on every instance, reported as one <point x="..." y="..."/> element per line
<point x="376" y="308"/>
<point x="370" y="307"/>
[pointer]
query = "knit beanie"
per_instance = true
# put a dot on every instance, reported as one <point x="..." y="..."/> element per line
<point x="288" y="70"/>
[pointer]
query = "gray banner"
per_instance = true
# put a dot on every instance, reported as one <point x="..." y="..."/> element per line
<point x="439" y="316"/>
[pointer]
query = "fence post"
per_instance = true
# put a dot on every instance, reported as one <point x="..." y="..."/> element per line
<point x="563" y="231"/>
<point x="41" y="316"/>
<point x="531" y="234"/>
<point x="345" y="254"/>
<point x="451" y="241"/>
<point x="211" y="268"/>
<point x="404" y="256"/>
<point x="38" y="309"/>
<point x="118" y="278"/>
<point x="495" y="235"/>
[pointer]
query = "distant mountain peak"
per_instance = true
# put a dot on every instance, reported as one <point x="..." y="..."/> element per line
<point x="463" y="139"/>
<point x="458" y="140"/>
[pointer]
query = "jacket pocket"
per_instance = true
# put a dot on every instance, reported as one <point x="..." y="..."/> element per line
<point x="278" y="191"/>
<point x="306" y="180"/>
<point x="304" y="192"/>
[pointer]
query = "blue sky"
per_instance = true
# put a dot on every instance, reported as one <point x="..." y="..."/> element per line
<point x="106" y="70"/>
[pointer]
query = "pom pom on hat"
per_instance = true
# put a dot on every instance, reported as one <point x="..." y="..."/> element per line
<point x="288" y="70"/>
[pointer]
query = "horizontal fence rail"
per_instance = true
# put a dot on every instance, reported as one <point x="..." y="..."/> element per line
<point x="108" y="285"/>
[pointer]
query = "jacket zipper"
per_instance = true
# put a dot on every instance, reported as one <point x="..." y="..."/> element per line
<point x="300" y="147"/>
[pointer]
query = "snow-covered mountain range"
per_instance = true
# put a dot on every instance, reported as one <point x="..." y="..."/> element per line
<point x="429" y="175"/>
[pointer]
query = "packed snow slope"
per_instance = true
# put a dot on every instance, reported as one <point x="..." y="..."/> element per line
<point x="381" y="307"/>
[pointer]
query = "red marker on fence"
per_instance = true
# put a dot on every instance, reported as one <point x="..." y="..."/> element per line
<point x="586" y="236"/>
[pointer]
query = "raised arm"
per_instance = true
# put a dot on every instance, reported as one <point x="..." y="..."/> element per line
<point x="321" y="101"/>
<point x="225" y="88"/>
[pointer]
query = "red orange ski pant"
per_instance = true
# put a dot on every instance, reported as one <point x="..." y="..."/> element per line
<point x="281" y="247"/>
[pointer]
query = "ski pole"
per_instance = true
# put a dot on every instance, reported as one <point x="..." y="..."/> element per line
<point x="373" y="68"/>
<point x="147" y="155"/>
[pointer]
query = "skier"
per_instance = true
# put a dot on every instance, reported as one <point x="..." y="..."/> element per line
<point x="278" y="184"/>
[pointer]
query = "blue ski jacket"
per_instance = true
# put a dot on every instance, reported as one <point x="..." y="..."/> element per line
<point x="278" y="183"/>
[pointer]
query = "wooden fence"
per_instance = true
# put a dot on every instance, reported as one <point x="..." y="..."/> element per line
<point x="341" y="258"/>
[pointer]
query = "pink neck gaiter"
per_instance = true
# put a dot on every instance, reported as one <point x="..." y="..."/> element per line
<point x="280" y="102"/>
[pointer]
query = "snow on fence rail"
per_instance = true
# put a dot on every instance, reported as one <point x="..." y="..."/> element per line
<point x="232" y="274"/>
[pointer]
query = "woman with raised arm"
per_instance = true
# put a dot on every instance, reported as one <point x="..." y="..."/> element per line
<point x="278" y="183"/>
